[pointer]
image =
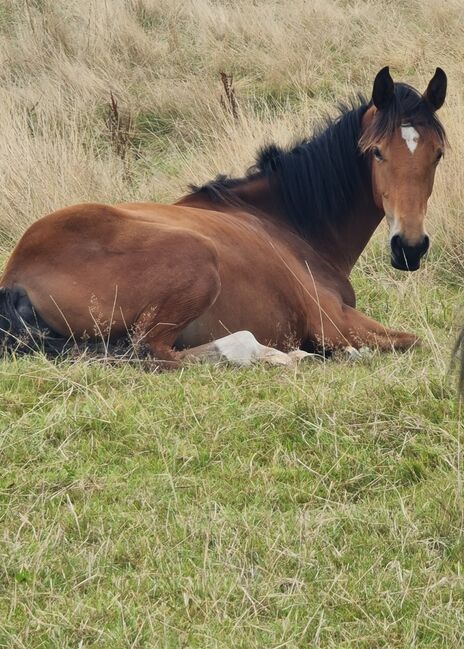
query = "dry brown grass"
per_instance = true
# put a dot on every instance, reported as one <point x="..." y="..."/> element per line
<point x="162" y="59"/>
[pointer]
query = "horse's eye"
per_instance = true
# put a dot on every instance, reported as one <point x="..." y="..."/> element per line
<point x="439" y="156"/>
<point x="376" y="153"/>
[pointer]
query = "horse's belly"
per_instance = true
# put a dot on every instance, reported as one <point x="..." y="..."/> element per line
<point x="263" y="317"/>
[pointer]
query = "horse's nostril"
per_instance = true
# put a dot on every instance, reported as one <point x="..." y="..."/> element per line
<point x="425" y="244"/>
<point x="405" y="256"/>
<point x="395" y="243"/>
<point x="401" y="247"/>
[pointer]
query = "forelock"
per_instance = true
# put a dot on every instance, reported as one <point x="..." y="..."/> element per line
<point x="407" y="107"/>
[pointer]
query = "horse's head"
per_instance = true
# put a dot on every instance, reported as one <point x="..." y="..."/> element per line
<point x="405" y="142"/>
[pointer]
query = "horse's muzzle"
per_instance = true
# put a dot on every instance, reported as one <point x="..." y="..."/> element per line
<point x="405" y="257"/>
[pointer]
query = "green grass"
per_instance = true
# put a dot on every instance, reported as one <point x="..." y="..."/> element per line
<point x="216" y="507"/>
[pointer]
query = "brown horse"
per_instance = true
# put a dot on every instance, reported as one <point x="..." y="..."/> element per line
<point x="270" y="253"/>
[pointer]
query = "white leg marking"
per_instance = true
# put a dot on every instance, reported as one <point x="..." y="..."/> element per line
<point x="351" y="353"/>
<point x="410" y="136"/>
<point x="354" y="354"/>
<point x="242" y="348"/>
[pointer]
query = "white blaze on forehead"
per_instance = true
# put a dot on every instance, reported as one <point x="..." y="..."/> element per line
<point x="410" y="136"/>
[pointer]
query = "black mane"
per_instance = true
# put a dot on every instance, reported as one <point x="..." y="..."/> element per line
<point x="321" y="178"/>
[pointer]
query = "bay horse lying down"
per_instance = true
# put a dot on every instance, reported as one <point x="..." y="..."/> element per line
<point x="268" y="254"/>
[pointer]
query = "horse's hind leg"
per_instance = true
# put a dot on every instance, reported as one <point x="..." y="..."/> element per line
<point x="241" y="348"/>
<point x="160" y="322"/>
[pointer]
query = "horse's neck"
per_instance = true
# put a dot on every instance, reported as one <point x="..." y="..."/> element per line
<point x="257" y="193"/>
<point x="340" y="247"/>
<point x="346" y="243"/>
<point x="254" y="196"/>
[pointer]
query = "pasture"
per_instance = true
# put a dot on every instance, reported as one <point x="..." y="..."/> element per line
<point x="216" y="507"/>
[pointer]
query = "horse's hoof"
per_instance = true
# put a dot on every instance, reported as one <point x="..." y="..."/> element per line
<point x="351" y="353"/>
<point x="365" y="352"/>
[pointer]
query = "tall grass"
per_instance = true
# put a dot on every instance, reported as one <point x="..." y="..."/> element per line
<point x="162" y="59"/>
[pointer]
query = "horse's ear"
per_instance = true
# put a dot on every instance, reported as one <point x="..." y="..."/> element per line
<point x="436" y="90"/>
<point x="384" y="89"/>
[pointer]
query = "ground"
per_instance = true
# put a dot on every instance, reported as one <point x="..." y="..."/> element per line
<point x="215" y="507"/>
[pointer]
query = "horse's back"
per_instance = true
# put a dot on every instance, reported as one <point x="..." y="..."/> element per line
<point x="106" y="258"/>
<point x="104" y="263"/>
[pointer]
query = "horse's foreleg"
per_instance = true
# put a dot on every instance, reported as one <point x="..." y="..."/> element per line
<point x="362" y="331"/>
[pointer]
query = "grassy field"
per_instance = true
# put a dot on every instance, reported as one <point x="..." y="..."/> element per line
<point x="214" y="507"/>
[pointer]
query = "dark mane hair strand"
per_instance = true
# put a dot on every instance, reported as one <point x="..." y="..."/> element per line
<point x="320" y="179"/>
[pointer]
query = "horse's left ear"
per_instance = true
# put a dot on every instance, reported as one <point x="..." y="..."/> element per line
<point x="436" y="90"/>
<point x="383" y="91"/>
